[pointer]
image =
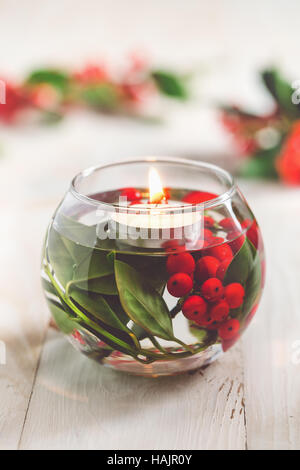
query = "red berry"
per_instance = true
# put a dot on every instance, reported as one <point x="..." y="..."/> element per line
<point x="196" y="197"/>
<point x="228" y="223"/>
<point x="208" y="221"/>
<point x="252" y="231"/>
<point x="207" y="234"/>
<point x="180" y="284"/>
<point x="236" y="241"/>
<point x="194" y="308"/>
<point x="206" y="267"/>
<point x="234" y="294"/>
<point x="226" y="344"/>
<point x="221" y="252"/>
<point x="212" y="289"/>
<point x="246" y="223"/>
<point x="221" y="271"/>
<point x="219" y="311"/>
<point x="206" y="321"/>
<point x="180" y="263"/>
<point x="131" y="194"/>
<point x="229" y="329"/>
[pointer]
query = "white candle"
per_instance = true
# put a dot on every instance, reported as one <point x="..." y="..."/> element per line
<point x="152" y="225"/>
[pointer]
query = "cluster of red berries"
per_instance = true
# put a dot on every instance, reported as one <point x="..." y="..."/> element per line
<point x="208" y="301"/>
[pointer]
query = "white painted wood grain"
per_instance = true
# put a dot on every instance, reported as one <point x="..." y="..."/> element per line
<point x="271" y="367"/>
<point x="249" y="398"/>
<point x="74" y="403"/>
<point x="79" y="404"/>
<point x="23" y="319"/>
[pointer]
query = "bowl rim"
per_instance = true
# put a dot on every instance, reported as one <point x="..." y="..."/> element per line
<point x="217" y="201"/>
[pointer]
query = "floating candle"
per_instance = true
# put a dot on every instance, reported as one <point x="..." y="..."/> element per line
<point x="151" y="224"/>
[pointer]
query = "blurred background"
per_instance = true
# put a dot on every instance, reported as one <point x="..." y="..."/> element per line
<point x="216" y="50"/>
<point x="224" y="44"/>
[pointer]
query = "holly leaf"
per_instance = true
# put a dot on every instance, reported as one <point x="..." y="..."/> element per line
<point x="62" y="319"/>
<point x="76" y="232"/>
<point x="57" y="78"/>
<point x="142" y="303"/>
<point x="261" y="165"/>
<point x="240" y="266"/>
<point x="97" y="306"/>
<point x="60" y="259"/>
<point x="154" y="266"/>
<point x="170" y="84"/>
<point x="253" y="285"/>
<point x="281" y="91"/>
<point x="102" y="285"/>
<point x="95" y="274"/>
<point x="48" y="287"/>
<point x="103" y="96"/>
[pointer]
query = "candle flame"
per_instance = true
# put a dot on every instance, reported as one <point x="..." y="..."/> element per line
<point x="156" y="192"/>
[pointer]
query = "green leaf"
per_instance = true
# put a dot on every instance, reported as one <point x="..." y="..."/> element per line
<point x="59" y="257"/>
<point x="76" y="232"/>
<point x="111" y="258"/>
<point x="51" y="117"/>
<point x="77" y="252"/>
<point x="103" y="333"/>
<point x="281" y="91"/>
<point x="96" y="274"/>
<point x="261" y="165"/>
<point x="115" y="304"/>
<point x="48" y="287"/>
<point x="198" y="332"/>
<point x="104" y="96"/>
<point x="100" y="309"/>
<point x="204" y="337"/>
<point x="253" y="285"/>
<point x="62" y="319"/>
<point x="94" y="266"/>
<point x="154" y="266"/>
<point x="170" y="84"/>
<point x="101" y="285"/>
<point x="142" y="303"/>
<point x="56" y="78"/>
<point x="240" y="266"/>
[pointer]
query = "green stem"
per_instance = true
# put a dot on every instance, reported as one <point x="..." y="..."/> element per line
<point x="150" y="356"/>
<point x="158" y="345"/>
<point x="186" y="346"/>
<point x="87" y="320"/>
<point x="177" y="308"/>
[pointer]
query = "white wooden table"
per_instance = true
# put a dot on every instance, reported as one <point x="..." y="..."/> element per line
<point x="50" y="396"/>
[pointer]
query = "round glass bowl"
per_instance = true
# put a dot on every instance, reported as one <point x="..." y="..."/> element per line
<point x="153" y="289"/>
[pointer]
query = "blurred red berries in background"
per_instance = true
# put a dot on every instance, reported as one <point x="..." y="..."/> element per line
<point x="288" y="162"/>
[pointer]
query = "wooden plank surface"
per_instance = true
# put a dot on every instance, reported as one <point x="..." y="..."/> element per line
<point x="77" y="404"/>
<point x="271" y="347"/>
<point x="23" y="319"/>
<point x="248" y="399"/>
<point x="51" y="397"/>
